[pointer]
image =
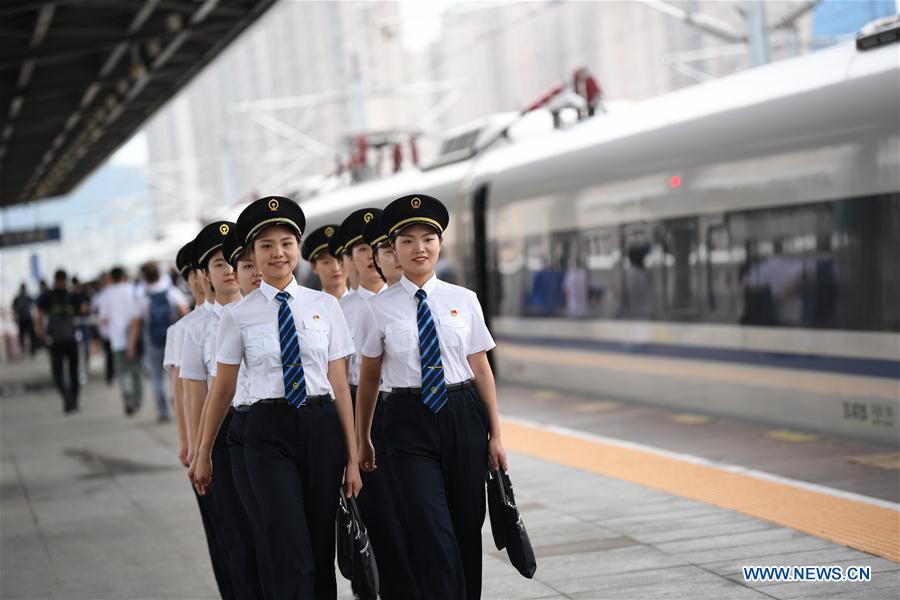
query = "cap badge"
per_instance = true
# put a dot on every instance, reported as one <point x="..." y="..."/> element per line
<point x="415" y="202"/>
<point x="316" y="317"/>
<point x="453" y="312"/>
<point x="329" y="231"/>
<point x="223" y="229"/>
<point x="368" y="217"/>
<point x="273" y="205"/>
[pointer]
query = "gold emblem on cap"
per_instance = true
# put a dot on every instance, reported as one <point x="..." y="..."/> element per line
<point x="273" y="204"/>
<point x="415" y="202"/>
<point x="368" y="217"/>
<point x="223" y="229"/>
<point x="329" y="231"/>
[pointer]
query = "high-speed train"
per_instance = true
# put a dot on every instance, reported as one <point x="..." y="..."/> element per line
<point x="731" y="248"/>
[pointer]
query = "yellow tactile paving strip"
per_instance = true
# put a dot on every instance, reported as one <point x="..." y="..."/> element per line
<point x="863" y="526"/>
<point x="849" y="385"/>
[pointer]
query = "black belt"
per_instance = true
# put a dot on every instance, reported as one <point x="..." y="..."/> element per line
<point x="450" y="387"/>
<point x="382" y="395"/>
<point x="310" y="401"/>
<point x="243" y="408"/>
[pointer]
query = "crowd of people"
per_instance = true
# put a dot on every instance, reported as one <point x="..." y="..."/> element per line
<point x="376" y="386"/>
<point x="112" y="315"/>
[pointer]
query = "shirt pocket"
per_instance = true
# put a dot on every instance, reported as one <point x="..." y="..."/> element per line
<point x="401" y="337"/>
<point x="314" y="334"/>
<point x="454" y="330"/>
<point x="261" y="346"/>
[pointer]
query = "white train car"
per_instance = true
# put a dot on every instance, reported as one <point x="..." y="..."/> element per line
<point x="729" y="248"/>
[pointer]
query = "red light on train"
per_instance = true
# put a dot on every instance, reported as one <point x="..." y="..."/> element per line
<point x="675" y="181"/>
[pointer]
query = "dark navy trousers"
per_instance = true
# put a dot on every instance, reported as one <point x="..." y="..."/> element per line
<point x="248" y="500"/>
<point x="231" y="523"/>
<point x="438" y="462"/>
<point x="216" y="552"/>
<point x="381" y="515"/>
<point x="295" y="459"/>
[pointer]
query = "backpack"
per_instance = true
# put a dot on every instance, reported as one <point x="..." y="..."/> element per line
<point x="160" y="318"/>
<point x="61" y="322"/>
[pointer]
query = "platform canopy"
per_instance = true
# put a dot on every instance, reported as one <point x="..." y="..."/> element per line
<point x="79" y="77"/>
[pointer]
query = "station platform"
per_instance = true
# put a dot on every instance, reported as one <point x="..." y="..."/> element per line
<point x="620" y="501"/>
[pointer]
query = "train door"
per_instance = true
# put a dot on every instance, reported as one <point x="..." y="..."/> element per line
<point x="481" y="254"/>
<point x="638" y="272"/>
<point x="680" y="260"/>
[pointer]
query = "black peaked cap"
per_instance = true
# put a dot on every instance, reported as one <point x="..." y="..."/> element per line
<point x="232" y="248"/>
<point x="271" y="210"/>
<point x="209" y="240"/>
<point x="414" y="208"/>
<point x="335" y="245"/>
<point x="317" y="242"/>
<point x="374" y="234"/>
<point x="183" y="260"/>
<point x="353" y="225"/>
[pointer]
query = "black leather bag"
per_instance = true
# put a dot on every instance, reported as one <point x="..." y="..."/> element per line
<point x="506" y="524"/>
<point x="355" y="558"/>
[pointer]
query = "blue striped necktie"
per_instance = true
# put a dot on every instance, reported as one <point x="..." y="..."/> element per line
<point x="434" y="392"/>
<point x="291" y="368"/>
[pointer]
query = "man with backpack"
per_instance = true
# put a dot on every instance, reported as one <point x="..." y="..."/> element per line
<point x="161" y="305"/>
<point x="58" y="308"/>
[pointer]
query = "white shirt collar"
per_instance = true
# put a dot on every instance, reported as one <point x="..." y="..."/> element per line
<point x="207" y="305"/>
<point x="364" y="293"/>
<point x="218" y="308"/>
<point x="346" y="293"/>
<point x="412" y="288"/>
<point x="269" y="291"/>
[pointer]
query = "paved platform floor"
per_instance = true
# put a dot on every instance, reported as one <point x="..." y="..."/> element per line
<point x="94" y="506"/>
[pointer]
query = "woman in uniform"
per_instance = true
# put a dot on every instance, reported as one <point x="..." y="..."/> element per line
<point x="377" y="501"/>
<point x="382" y="252"/>
<point x="181" y="393"/>
<point x="198" y="365"/>
<point x="325" y="265"/>
<point x="298" y="439"/>
<point x="428" y="341"/>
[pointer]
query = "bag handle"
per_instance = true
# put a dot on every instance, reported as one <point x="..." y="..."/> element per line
<point x="501" y="480"/>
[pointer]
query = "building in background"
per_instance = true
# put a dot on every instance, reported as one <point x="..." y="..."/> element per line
<point x="274" y="106"/>
<point x="281" y="103"/>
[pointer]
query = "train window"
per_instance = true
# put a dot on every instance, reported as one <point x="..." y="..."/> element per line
<point x="639" y="266"/>
<point x="602" y="261"/>
<point x="680" y="264"/>
<point x="818" y="265"/>
<point x="542" y="291"/>
<point x="720" y="273"/>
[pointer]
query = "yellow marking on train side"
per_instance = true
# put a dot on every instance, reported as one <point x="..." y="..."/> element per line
<point x="794" y="437"/>
<point x="889" y="461"/>
<point x="686" y="419"/>
<point x="868" y="527"/>
<point x="810" y="381"/>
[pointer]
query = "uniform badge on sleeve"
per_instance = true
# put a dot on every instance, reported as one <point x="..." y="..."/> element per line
<point x="316" y="317"/>
<point x="453" y="312"/>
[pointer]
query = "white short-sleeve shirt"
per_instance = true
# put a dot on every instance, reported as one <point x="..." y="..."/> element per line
<point x="353" y="307"/>
<point x="249" y="332"/>
<point x="242" y="390"/>
<point x="197" y="358"/>
<point x="174" y="339"/>
<point x="118" y="309"/>
<point x="389" y="328"/>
